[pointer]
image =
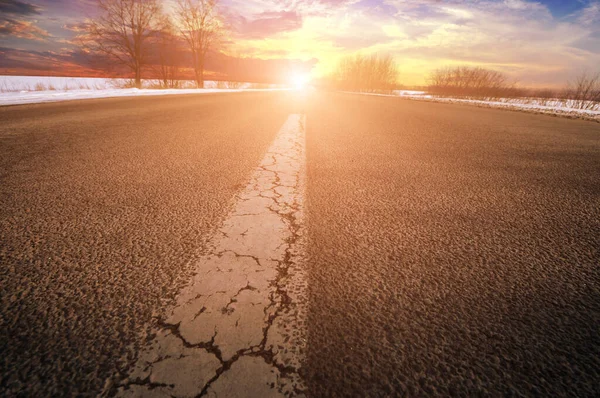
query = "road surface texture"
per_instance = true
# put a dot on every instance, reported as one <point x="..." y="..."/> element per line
<point x="225" y="245"/>
<point x="106" y="205"/>
<point x="453" y="251"/>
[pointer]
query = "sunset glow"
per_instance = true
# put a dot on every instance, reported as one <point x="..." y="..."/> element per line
<point x="537" y="43"/>
<point x="300" y="81"/>
<point x="299" y="198"/>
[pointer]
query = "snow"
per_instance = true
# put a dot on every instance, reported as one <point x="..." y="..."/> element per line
<point x="553" y="106"/>
<point x="11" y="84"/>
<point x="32" y="97"/>
<point x="536" y="105"/>
<point x="17" y="90"/>
<point x="404" y="93"/>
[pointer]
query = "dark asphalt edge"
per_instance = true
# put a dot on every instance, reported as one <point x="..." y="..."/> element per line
<point x="486" y="106"/>
<point x="561" y="114"/>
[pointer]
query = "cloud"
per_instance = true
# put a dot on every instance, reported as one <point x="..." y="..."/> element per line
<point x="77" y="27"/>
<point x="518" y="37"/>
<point x="522" y="38"/>
<point x="65" y="62"/>
<point x="18" y="7"/>
<point x="23" y="30"/>
<point x="267" y="23"/>
<point x="590" y="15"/>
<point x="12" y="24"/>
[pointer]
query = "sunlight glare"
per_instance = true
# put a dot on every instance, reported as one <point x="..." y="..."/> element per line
<point x="300" y="81"/>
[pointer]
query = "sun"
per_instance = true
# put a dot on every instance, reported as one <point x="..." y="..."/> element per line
<point x="299" y="80"/>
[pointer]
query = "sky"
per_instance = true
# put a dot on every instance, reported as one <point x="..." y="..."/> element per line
<point x="541" y="43"/>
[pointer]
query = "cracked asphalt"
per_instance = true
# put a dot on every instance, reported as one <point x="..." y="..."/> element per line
<point x="192" y="245"/>
<point x="107" y="205"/>
<point x="237" y="329"/>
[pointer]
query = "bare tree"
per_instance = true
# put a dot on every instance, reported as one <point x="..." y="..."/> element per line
<point x="122" y="30"/>
<point x="584" y="91"/>
<point x="169" y="55"/>
<point x="201" y="27"/>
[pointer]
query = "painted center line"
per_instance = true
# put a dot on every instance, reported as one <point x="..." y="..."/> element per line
<point x="239" y="328"/>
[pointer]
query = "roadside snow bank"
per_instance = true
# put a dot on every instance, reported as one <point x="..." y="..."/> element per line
<point x="557" y="107"/>
<point x="32" y="97"/>
<point x="554" y="107"/>
<point x="18" y="90"/>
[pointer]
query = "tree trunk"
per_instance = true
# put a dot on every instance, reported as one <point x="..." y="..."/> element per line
<point x="198" y="79"/>
<point x="138" y="76"/>
<point x="201" y="82"/>
<point x="195" y="60"/>
<point x="199" y="70"/>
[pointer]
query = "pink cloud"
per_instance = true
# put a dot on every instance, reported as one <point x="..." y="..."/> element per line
<point x="268" y="23"/>
<point x="77" y="27"/>
<point x="23" y="30"/>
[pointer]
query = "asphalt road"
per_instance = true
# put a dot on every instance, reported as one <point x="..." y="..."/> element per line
<point x="105" y="204"/>
<point x="452" y="250"/>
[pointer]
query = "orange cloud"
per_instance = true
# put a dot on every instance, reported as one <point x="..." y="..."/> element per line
<point x="23" y="30"/>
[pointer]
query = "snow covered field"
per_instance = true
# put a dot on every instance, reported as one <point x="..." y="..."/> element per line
<point x="16" y="90"/>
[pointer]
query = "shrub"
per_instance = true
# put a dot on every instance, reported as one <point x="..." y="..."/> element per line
<point x="366" y="74"/>
<point x="584" y="91"/>
<point x="472" y="82"/>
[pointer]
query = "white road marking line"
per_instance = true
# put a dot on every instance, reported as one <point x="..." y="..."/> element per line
<point x="238" y="329"/>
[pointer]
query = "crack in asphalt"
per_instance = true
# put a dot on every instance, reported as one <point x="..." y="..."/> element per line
<point x="257" y="263"/>
<point x="227" y="309"/>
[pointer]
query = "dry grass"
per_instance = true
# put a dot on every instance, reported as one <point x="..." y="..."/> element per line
<point x="370" y="74"/>
<point x="234" y="85"/>
<point x="6" y="86"/>
<point x="469" y="82"/>
<point x="584" y="91"/>
<point x="122" y="83"/>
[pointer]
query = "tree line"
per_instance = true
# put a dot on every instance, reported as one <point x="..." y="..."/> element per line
<point x="481" y="83"/>
<point x="468" y="81"/>
<point x="137" y="33"/>
<point x="379" y="74"/>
